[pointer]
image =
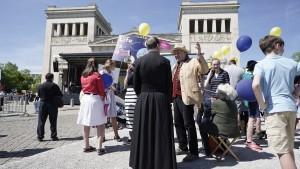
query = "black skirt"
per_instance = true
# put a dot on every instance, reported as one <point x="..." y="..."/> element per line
<point x="152" y="144"/>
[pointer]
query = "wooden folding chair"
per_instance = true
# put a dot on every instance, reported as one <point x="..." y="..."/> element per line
<point x="225" y="147"/>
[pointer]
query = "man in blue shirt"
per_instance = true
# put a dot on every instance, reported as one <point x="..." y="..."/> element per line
<point x="273" y="87"/>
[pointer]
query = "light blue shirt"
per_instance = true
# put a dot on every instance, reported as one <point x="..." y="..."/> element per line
<point x="277" y="78"/>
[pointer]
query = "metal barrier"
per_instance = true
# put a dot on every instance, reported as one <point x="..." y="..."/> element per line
<point x="14" y="104"/>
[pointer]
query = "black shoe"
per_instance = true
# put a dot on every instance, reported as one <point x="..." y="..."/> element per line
<point x="180" y="152"/>
<point x="54" y="139"/>
<point x="40" y="139"/>
<point x="190" y="158"/>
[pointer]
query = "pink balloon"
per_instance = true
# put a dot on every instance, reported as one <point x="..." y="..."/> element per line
<point x="164" y="45"/>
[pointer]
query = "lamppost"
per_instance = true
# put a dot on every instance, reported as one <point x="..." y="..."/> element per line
<point x="61" y="75"/>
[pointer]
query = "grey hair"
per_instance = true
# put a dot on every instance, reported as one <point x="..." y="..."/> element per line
<point x="228" y="90"/>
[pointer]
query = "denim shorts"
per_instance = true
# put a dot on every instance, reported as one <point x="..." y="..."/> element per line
<point x="253" y="110"/>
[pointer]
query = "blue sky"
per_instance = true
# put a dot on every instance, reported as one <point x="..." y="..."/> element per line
<point x="23" y="23"/>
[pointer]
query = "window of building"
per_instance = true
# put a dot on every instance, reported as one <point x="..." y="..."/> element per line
<point x="70" y="29"/>
<point x="77" y="28"/>
<point x="200" y="25"/>
<point x="62" y="29"/>
<point x="54" y="32"/>
<point x="85" y="28"/>
<point x="209" y="25"/>
<point x="97" y="30"/>
<point x="192" y="26"/>
<point x="218" y="25"/>
<point x="227" y="25"/>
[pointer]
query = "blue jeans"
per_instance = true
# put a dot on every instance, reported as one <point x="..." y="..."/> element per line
<point x="36" y="106"/>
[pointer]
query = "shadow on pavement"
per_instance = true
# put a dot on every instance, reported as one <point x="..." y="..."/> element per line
<point x="3" y="135"/>
<point x="117" y="148"/>
<point x="71" y="138"/>
<point x="242" y="153"/>
<point x="22" y="153"/>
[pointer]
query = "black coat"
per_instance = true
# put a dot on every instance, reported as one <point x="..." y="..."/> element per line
<point x="153" y="73"/>
<point x="152" y="144"/>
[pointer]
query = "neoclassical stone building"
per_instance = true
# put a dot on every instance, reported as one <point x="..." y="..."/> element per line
<point x="77" y="33"/>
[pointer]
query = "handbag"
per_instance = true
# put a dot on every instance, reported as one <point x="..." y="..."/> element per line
<point x="59" y="102"/>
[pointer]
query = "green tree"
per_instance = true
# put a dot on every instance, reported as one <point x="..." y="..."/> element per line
<point x="26" y="80"/>
<point x="296" y="56"/>
<point x="37" y="82"/>
<point x="14" y="79"/>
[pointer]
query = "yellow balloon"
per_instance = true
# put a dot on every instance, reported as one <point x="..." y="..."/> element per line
<point x="217" y="54"/>
<point x="225" y="50"/>
<point x="209" y="65"/>
<point x="236" y="59"/>
<point x="276" y="31"/>
<point x="144" y="29"/>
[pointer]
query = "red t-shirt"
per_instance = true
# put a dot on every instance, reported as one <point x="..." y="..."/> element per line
<point x="93" y="84"/>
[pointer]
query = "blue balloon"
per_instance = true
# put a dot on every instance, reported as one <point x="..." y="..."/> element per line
<point x="243" y="43"/>
<point x="107" y="79"/>
<point x="245" y="91"/>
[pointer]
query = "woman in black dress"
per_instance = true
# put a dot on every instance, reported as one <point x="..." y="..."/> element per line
<point x="153" y="137"/>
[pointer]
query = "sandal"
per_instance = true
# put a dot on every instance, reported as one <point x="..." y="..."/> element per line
<point x="101" y="151"/>
<point x="90" y="149"/>
<point x="117" y="138"/>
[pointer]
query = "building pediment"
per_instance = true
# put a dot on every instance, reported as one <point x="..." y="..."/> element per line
<point x="171" y="38"/>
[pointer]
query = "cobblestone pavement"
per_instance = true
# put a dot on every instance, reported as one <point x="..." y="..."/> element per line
<point x="18" y="134"/>
<point x="19" y="148"/>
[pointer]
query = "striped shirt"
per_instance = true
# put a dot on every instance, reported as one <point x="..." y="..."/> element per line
<point x="223" y="77"/>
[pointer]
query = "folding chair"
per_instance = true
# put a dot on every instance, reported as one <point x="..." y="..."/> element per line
<point x="221" y="141"/>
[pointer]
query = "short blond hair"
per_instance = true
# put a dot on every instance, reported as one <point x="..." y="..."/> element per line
<point x="228" y="90"/>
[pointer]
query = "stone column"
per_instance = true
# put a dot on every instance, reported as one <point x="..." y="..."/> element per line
<point x="66" y="30"/>
<point x="58" y="30"/>
<point x="223" y="25"/>
<point x="196" y="26"/>
<point x="205" y="25"/>
<point x="81" y="29"/>
<point x="74" y="29"/>
<point x="214" y="25"/>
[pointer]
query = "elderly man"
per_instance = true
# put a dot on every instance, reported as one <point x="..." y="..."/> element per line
<point x="186" y="93"/>
<point x="216" y="76"/>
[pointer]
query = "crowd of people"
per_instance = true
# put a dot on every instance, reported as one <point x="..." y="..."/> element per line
<point x="153" y="87"/>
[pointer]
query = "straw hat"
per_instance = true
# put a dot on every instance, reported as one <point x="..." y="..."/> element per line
<point x="180" y="47"/>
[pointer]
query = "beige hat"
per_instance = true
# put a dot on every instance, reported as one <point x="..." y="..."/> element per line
<point x="180" y="47"/>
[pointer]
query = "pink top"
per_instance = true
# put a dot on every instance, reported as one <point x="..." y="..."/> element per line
<point x="93" y="84"/>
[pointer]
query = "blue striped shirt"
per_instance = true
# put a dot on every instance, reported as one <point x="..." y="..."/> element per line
<point x="223" y="77"/>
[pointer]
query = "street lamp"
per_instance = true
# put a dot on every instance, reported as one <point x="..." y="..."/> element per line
<point x="61" y="75"/>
